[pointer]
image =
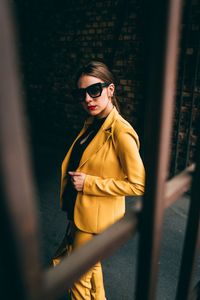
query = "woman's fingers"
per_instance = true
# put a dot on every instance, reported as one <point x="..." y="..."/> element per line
<point x="78" y="179"/>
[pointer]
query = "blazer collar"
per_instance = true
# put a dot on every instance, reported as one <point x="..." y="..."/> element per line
<point x="104" y="133"/>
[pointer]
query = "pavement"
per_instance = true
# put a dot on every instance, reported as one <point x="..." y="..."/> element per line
<point x="119" y="269"/>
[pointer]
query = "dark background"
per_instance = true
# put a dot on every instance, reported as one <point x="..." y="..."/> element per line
<point x="57" y="37"/>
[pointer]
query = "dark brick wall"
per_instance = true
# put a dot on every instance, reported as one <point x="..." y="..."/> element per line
<point x="187" y="112"/>
<point x="56" y="37"/>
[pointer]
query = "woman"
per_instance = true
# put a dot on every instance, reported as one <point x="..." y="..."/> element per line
<point x="102" y="166"/>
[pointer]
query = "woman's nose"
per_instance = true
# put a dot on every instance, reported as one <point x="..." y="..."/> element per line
<point x="88" y="98"/>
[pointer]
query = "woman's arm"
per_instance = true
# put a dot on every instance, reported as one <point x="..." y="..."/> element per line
<point x="132" y="166"/>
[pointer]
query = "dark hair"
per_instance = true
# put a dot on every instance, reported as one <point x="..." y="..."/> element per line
<point x="100" y="70"/>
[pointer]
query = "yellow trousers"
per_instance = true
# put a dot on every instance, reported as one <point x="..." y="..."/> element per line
<point x="90" y="285"/>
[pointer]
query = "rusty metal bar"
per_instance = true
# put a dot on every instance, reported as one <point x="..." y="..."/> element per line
<point x="163" y="21"/>
<point x="16" y="182"/>
<point x="59" y="279"/>
<point x="178" y="185"/>
<point x="192" y="237"/>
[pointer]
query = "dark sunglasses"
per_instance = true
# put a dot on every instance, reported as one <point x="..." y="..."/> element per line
<point x="94" y="90"/>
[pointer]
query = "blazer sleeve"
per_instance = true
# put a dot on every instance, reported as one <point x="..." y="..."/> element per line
<point x="126" y="146"/>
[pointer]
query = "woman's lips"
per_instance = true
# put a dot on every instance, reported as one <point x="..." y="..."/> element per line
<point x="92" y="107"/>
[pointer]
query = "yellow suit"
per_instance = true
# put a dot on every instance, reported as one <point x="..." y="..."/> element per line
<point x="114" y="169"/>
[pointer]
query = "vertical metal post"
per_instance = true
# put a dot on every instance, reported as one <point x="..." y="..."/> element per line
<point x="192" y="237"/>
<point x="163" y="22"/>
<point x="17" y="193"/>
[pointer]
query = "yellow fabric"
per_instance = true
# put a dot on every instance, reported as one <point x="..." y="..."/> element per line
<point x="90" y="285"/>
<point x="57" y="259"/>
<point x="114" y="169"/>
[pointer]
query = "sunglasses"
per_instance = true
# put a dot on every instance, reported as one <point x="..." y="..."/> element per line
<point x="94" y="90"/>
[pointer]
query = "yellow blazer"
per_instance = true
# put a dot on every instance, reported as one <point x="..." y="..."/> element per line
<point x="113" y="169"/>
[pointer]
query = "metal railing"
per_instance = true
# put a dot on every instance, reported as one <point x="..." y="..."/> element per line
<point x="17" y="184"/>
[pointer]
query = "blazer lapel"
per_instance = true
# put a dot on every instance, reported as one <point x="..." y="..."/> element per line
<point x="96" y="144"/>
<point x="103" y="135"/>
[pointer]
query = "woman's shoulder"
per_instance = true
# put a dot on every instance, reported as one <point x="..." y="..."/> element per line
<point x="122" y="125"/>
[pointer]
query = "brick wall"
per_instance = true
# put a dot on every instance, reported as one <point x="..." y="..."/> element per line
<point x="56" y="38"/>
<point x="187" y="113"/>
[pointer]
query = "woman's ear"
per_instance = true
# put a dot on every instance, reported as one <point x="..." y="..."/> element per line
<point x="111" y="89"/>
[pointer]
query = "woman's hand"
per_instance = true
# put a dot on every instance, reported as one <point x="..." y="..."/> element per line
<point x="78" y="180"/>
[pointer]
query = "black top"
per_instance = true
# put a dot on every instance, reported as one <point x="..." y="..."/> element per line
<point x="69" y="194"/>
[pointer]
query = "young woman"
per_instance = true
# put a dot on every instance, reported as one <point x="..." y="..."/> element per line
<point x="102" y="166"/>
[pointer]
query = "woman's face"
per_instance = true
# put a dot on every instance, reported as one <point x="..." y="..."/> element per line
<point x="101" y="106"/>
